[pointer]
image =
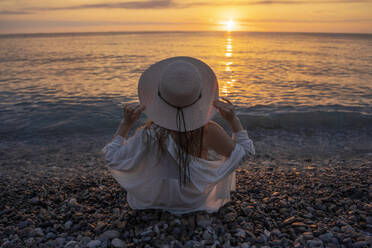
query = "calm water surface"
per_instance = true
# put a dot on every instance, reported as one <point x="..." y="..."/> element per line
<point x="77" y="82"/>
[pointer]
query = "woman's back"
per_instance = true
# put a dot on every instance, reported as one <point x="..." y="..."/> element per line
<point x="151" y="177"/>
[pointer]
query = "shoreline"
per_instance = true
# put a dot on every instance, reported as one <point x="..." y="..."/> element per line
<point x="56" y="200"/>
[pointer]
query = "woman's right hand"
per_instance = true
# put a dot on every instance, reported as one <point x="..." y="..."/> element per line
<point x="227" y="111"/>
<point x="132" y="113"/>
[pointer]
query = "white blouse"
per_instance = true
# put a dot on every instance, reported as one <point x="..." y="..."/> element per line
<point x="152" y="182"/>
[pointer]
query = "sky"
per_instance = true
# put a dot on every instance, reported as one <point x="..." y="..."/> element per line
<point x="46" y="16"/>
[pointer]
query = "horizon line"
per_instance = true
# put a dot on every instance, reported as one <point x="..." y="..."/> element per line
<point x="179" y="31"/>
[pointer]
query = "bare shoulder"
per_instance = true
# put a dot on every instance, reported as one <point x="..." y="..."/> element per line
<point x="217" y="139"/>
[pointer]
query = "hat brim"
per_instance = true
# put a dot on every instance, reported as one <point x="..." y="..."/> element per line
<point x="164" y="115"/>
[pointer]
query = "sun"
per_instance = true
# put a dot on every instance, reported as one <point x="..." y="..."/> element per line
<point x="229" y="25"/>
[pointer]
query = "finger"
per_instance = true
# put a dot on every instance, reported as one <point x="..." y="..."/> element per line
<point x="132" y="107"/>
<point x="138" y="110"/>
<point x="227" y="100"/>
<point x="222" y="105"/>
<point x="126" y="107"/>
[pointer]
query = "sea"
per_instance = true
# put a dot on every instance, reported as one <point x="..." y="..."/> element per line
<point x="297" y="94"/>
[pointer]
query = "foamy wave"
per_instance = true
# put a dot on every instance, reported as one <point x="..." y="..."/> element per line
<point x="312" y="119"/>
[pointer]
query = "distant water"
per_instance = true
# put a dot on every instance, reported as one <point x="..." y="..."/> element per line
<point x="76" y="83"/>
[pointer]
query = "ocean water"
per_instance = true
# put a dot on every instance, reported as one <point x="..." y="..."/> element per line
<point x="75" y="84"/>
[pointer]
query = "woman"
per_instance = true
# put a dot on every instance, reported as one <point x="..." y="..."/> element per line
<point x="164" y="164"/>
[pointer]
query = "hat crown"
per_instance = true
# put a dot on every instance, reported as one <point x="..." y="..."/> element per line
<point x="180" y="84"/>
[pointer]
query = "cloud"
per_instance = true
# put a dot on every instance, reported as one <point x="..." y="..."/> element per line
<point x="156" y="4"/>
<point x="270" y="2"/>
<point x="9" y="12"/>
<point x="9" y="24"/>
<point x="246" y="21"/>
<point x="168" y="4"/>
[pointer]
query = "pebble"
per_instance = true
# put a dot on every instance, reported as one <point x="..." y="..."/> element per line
<point x="29" y="242"/>
<point x="68" y="225"/>
<point x="289" y="221"/>
<point x="94" y="243"/>
<point x="117" y="243"/>
<point x="73" y="202"/>
<point x="110" y="234"/>
<point x="308" y="235"/>
<point x="360" y="244"/>
<point x="334" y="213"/>
<point x="60" y="241"/>
<point x="39" y="232"/>
<point x="203" y="221"/>
<point x="85" y="240"/>
<point x="207" y="235"/>
<point x="50" y="235"/>
<point x="230" y="217"/>
<point x="35" y="200"/>
<point x="71" y="244"/>
<point x="327" y="237"/>
<point x="315" y="243"/>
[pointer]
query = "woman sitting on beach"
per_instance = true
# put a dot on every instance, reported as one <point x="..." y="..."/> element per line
<point x="164" y="164"/>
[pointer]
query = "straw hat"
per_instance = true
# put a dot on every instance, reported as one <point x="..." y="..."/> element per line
<point x="178" y="93"/>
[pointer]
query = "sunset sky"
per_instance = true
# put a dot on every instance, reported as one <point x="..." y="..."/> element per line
<point x="42" y="16"/>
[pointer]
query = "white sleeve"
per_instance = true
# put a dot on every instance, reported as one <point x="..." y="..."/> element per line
<point x="119" y="154"/>
<point x="242" y="139"/>
<point x="207" y="173"/>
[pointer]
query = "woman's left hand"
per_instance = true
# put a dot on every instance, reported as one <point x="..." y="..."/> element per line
<point x="131" y="113"/>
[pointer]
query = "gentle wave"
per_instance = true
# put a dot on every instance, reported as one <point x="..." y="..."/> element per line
<point x="103" y="117"/>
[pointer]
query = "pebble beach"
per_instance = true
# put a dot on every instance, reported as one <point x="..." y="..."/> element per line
<point x="70" y="200"/>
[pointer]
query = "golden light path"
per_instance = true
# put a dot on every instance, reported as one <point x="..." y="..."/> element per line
<point x="227" y="86"/>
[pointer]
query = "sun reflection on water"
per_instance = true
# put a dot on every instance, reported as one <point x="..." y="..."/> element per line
<point x="227" y="84"/>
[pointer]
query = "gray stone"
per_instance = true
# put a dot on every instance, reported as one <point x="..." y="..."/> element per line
<point x="94" y="243"/>
<point x="147" y="233"/>
<point x="230" y="217"/>
<point x="72" y="244"/>
<point x="110" y="234"/>
<point x="35" y="200"/>
<point x="117" y="243"/>
<point x="240" y="233"/>
<point x="207" y="235"/>
<point x="50" y="235"/>
<point x="68" y="225"/>
<point x="369" y="220"/>
<point x="327" y="237"/>
<point x="203" y="221"/>
<point x="29" y="242"/>
<point x="73" y="202"/>
<point x="347" y="228"/>
<point x="85" y="240"/>
<point x="23" y="224"/>
<point x="192" y="243"/>
<point x="156" y="229"/>
<point x="60" y="241"/>
<point x="39" y="232"/>
<point x="314" y="243"/>
<point x="245" y="245"/>
<point x="360" y="244"/>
